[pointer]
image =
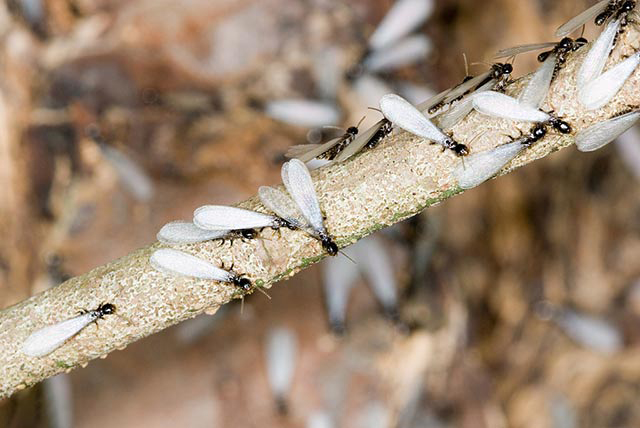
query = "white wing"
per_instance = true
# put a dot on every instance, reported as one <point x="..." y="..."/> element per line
<point x="602" y="133"/>
<point x="47" y="339"/>
<point x="324" y="133"/>
<point x="319" y="420"/>
<point x="359" y="142"/>
<point x="131" y="175"/>
<point x="297" y="180"/>
<point x="479" y="167"/>
<point x="538" y="86"/>
<point x="596" y="58"/>
<point x="281" y="352"/>
<point x="376" y="264"/>
<point x="465" y="87"/>
<point x="579" y="20"/>
<point x="306" y="152"/>
<point x="628" y="145"/>
<point x="185" y="232"/>
<point x="308" y="113"/>
<point x="461" y="109"/>
<point x="600" y="90"/>
<point x="590" y="332"/>
<point x="406" y="51"/>
<point x="495" y="104"/>
<point x="282" y="205"/>
<point x="403" y="17"/>
<point x="508" y="52"/>
<point x="433" y="101"/>
<point x="172" y="261"/>
<point x="220" y="217"/>
<point x="300" y="149"/>
<point x="401" y="113"/>
<point x="338" y="276"/>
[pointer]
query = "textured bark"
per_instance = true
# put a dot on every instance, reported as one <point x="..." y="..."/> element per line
<point x="376" y="189"/>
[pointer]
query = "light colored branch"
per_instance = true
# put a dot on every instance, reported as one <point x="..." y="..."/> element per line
<point x="376" y="189"/>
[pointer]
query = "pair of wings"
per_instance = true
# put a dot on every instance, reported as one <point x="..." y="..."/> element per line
<point x="46" y="340"/>
<point x="169" y="260"/>
<point x="320" y="140"/>
<point x="302" y="208"/>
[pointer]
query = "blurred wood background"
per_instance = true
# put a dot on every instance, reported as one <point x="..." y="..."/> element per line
<point x="177" y="86"/>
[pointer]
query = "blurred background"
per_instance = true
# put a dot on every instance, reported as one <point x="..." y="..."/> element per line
<point x="516" y="304"/>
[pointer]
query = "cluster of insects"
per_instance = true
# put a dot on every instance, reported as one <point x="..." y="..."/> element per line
<point x="298" y="209"/>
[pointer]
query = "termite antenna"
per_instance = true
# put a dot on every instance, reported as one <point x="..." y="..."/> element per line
<point x="345" y="254"/>
<point x="466" y="64"/>
<point x="263" y="292"/>
<point x="361" y="120"/>
<point x="376" y="109"/>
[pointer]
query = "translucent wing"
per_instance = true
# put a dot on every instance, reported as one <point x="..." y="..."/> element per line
<point x="402" y="114"/>
<point x="425" y="106"/>
<point x="579" y="20"/>
<point x="596" y="58"/>
<point x="282" y="205"/>
<point x="338" y="277"/>
<point x="300" y="149"/>
<point x="590" y="332"/>
<point x="185" y="232"/>
<point x="599" y="91"/>
<point x="359" y="142"/>
<point x="220" y="217"/>
<point x="461" y="109"/>
<point x="281" y="353"/>
<point x="403" y="17"/>
<point x="479" y="167"/>
<point x="131" y="175"/>
<point x="516" y="50"/>
<point x="465" y="87"/>
<point x="406" y="51"/>
<point x="503" y="106"/>
<point x="602" y="133"/>
<point x="322" y="134"/>
<point x="538" y="86"/>
<point x="168" y="260"/>
<point x="628" y="145"/>
<point x="47" y="339"/>
<point x="302" y="112"/>
<point x="375" y="263"/>
<point x="306" y="152"/>
<point x="297" y="180"/>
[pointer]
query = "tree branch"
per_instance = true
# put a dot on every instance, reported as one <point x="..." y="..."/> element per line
<point x="376" y="189"/>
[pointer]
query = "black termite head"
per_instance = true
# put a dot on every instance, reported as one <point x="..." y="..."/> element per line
<point x="241" y="282"/>
<point x="460" y="149"/>
<point x="507" y="69"/>
<point x="352" y="130"/>
<point x="466" y="79"/>
<point x="501" y="70"/>
<point x="329" y="245"/>
<point x="565" y="44"/>
<point x="542" y="57"/>
<point x="105" y="309"/>
<point x="626" y="7"/>
<point x="561" y="126"/>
